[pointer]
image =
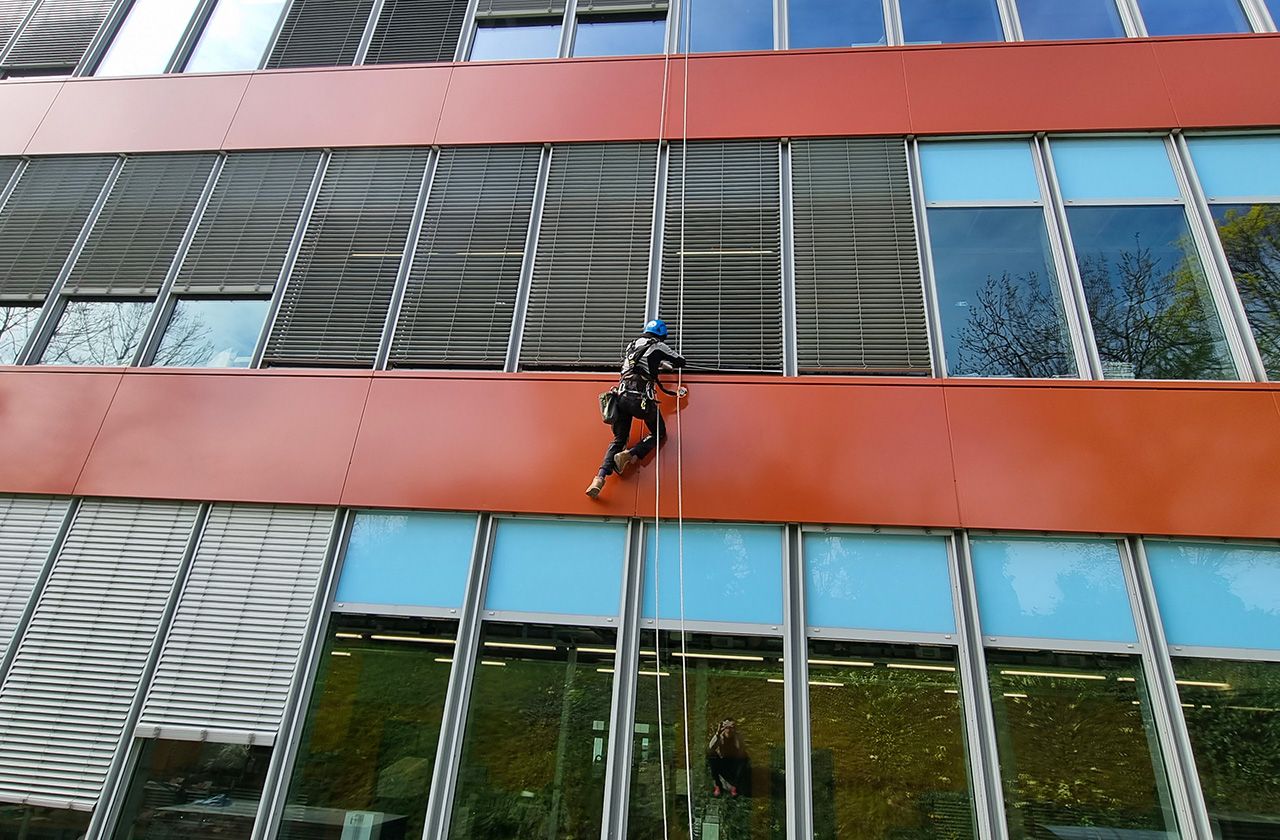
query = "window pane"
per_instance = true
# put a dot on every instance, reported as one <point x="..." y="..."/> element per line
<point x="736" y="679"/>
<point x="835" y="23"/>
<point x="97" y="332"/>
<point x="212" y="333"/>
<point x="509" y="39"/>
<point x="32" y="823"/>
<point x="407" y="559"/>
<point x="1232" y="711"/>
<point x="1217" y="595"/>
<point x="1243" y="166"/>
<point x="1153" y="316"/>
<point x="16" y="323"/>
<point x="619" y="35"/>
<point x="1179" y="17"/>
<point x="369" y="741"/>
<point x="728" y="25"/>
<point x="1251" y="238"/>
<point x="998" y="293"/>
<point x="193" y="789"/>
<point x="1077" y="746"/>
<point x="533" y="755"/>
<point x="1044" y="20"/>
<point x="1274" y="7"/>
<point x="860" y="695"/>
<point x="148" y="37"/>
<point x="1127" y="167"/>
<point x="978" y="171"/>
<point x="235" y="36"/>
<point x="557" y="567"/>
<point x="751" y="593"/>
<point x="950" y="21"/>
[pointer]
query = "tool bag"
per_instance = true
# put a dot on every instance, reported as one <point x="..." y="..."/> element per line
<point x="609" y="406"/>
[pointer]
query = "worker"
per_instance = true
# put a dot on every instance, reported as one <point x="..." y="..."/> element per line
<point x="636" y="399"/>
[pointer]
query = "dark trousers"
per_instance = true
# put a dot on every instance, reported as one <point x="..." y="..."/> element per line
<point x="727" y="770"/>
<point x="634" y="407"/>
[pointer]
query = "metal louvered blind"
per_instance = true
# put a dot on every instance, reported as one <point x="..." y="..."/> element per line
<point x="320" y="33"/>
<point x="335" y="303"/>
<point x="461" y="294"/>
<point x="235" y="639"/>
<point x="58" y="34"/>
<point x="859" y="302"/>
<point x="69" y="691"/>
<point x="41" y="220"/>
<point x="591" y="274"/>
<point x="417" y="30"/>
<point x="244" y="234"/>
<point x="12" y="13"/>
<point x="136" y="236"/>
<point x="8" y="166"/>
<point x="586" y="6"/>
<point x="28" y="527"/>
<point x="508" y="8"/>
<point x="730" y="313"/>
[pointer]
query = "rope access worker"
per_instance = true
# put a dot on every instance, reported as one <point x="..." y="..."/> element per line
<point x="635" y="399"/>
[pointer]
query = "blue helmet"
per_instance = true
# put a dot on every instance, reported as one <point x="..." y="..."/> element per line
<point x="656" y="327"/>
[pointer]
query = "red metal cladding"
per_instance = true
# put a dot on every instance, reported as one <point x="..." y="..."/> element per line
<point x="23" y="106"/>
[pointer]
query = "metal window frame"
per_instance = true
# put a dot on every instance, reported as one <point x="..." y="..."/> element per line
<point x="410" y="252"/>
<point x="928" y="276"/>
<point x="1122" y="7"/>
<point x="626" y="678"/>
<point x="515" y="336"/>
<point x="1263" y="20"/>
<point x="115" y="22"/>
<point x="17" y="30"/>
<point x="375" y="10"/>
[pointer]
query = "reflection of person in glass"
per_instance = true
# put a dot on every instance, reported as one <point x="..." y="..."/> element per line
<point x="727" y="759"/>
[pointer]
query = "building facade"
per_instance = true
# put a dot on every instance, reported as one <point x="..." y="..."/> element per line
<point x="969" y="526"/>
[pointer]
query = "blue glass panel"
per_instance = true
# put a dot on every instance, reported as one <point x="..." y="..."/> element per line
<point x="235" y="36"/>
<point x="1048" y="20"/>
<point x="950" y="21"/>
<point x="1052" y="589"/>
<point x="1238" y="166"/>
<point x="212" y="332"/>
<point x="979" y="171"/>
<point x="1217" y="595"/>
<point x="731" y="573"/>
<point x="409" y="559"/>
<point x="1274" y="7"/>
<point x="557" y="567"/>
<point x="728" y="25"/>
<point x="835" y="23"/>
<point x="619" y="35"/>
<point x="878" y="582"/>
<point x="1193" y="17"/>
<point x="1125" y="167"/>
<point x="515" y="39"/>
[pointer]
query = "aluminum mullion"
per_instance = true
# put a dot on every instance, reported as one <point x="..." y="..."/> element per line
<point x="781" y="32"/>
<point x="1265" y="18"/>
<point x="653" y="293"/>
<point x="7" y="189"/>
<point x="799" y="768"/>
<point x="467" y="34"/>
<point x="275" y="36"/>
<point x="933" y="317"/>
<point x="20" y="628"/>
<point x="1010" y="22"/>
<point x="786" y="217"/>
<point x="568" y="28"/>
<point x="516" y="336"/>
<point x="101" y="41"/>
<point x="1256" y="12"/>
<point x="191" y="36"/>
<point x="370" y="26"/>
<point x="17" y="30"/>
<point x="675" y="8"/>
<point x="406" y="261"/>
<point x="1131" y="15"/>
<point x="626" y="675"/>
<point x="893" y="36"/>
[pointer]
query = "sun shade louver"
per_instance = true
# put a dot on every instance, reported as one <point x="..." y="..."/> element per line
<point x="12" y="13"/>
<point x="590" y="6"/>
<point x="58" y="33"/>
<point x="518" y="8"/>
<point x="417" y="30"/>
<point x="28" y="527"/>
<point x="320" y="33"/>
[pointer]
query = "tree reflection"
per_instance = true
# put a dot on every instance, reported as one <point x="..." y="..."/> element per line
<point x="1251" y="238"/>
<point x="15" y="327"/>
<point x="109" y="333"/>
<point x="1015" y="329"/>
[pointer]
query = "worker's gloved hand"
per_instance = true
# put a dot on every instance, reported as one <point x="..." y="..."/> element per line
<point x="682" y="392"/>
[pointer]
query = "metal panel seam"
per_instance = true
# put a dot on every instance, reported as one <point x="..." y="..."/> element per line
<point x="355" y="441"/>
<point x="79" y="475"/>
<point x="231" y="121"/>
<point x="1164" y="80"/>
<point x="26" y="147"/>
<point x="951" y="455"/>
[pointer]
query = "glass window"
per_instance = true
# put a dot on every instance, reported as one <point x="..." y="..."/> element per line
<point x="731" y="573"/>
<point x="1250" y="236"/>
<point x="1274" y="7"/>
<point x="32" y="823"/>
<point x="212" y="333"/>
<point x="727" y="25"/>
<point x="979" y="171"/>
<point x="1232" y="711"/>
<point x="1179" y="17"/>
<point x="1216" y="595"/>
<point x="235" y="36"/>
<point x="1079" y="756"/>
<point x="895" y="582"/>
<point x="1238" y="167"/>
<point x="619" y="35"/>
<point x="557" y="567"/>
<point x="147" y="38"/>
<point x="407" y="559"/>
<point x="950" y="21"/>
<point x="835" y="23"/>
<point x="736" y="739"/>
<point x="1126" y="167"/>
<point x="860" y="697"/>
<point x="193" y="789"/>
<point x="1152" y="313"/>
<point x="516" y="38"/>
<point x="1047" y="20"/>
<point x="537" y="734"/>
<point x="16" y="323"/>
<point x="1002" y="313"/>
<point x="97" y="332"/>
<point x="368" y="744"/>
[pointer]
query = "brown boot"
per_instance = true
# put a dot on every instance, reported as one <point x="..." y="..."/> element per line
<point x="597" y="484"/>
<point x="623" y="460"/>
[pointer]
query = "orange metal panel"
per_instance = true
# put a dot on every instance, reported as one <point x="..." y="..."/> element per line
<point x="1222" y="82"/>
<point x="23" y="105"/>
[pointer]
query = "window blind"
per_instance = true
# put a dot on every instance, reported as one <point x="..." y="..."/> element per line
<point x="417" y="30"/>
<point x="514" y="8"/>
<point x="320" y="33"/>
<point x="12" y="13"/>
<point x="28" y="527"/>
<point x="58" y="33"/>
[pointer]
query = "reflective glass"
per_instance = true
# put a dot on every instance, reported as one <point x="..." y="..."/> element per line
<point x="212" y="333"/>
<point x="1274" y="7"/>
<point x="1079" y="755"/>
<point x="1217" y="595"/>
<point x="736" y="739"/>
<point x="998" y="293"/>
<point x="1243" y="166"/>
<point x="835" y="23"/>
<point x="193" y="789"/>
<point x="731" y="573"/>
<point x="1232" y="711"/>
<point x="1124" y="167"/>
<point x="407" y="559"/>
<point x="619" y="35"/>
<point x="1052" y="589"/>
<point x="887" y="733"/>
<point x="1048" y="20"/>
<point x="97" y="332"/>
<point x="950" y="21"/>
<point x="978" y="171"/>
<point x="147" y="38"/>
<point x="1193" y="17"/>
<point x="16" y="323"/>
<point x="537" y="733"/>
<point x="1250" y="236"/>
<point x="1152" y="313"/>
<point x="235" y="36"/>
<point x="496" y="40"/>
<point x="545" y="566"/>
<point x="368" y="744"/>
<point x="31" y="823"/>
<point x="727" y="25"/>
